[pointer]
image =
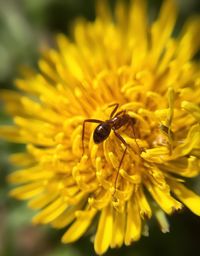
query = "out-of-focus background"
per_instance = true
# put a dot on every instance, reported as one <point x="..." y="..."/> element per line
<point x="26" y="26"/>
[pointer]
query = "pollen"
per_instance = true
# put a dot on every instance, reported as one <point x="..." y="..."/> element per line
<point x="119" y="184"/>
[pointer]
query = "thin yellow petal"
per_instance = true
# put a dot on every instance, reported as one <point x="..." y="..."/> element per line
<point x="162" y="220"/>
<point x="162" y="29"/>
<point x="192" y="108"/>
<point x="144" y="207"/>
<point x="22" y="159"/>
<point x="185" y="166"/>
<point x="78" y="228"/>
<point x="118" y="230"/>
<point x="191" y="142"/>
<point x="188" y="197"/>
<point x="51" y="212"/>
<point x="103" y="11"/>
<point x="28" y="191"/>
<point x="42" y="200"/>
<point x="133" y="224"/>
<point x="31" y="174"/>
<point x="104" y="231"/>
<point x="164" y="199"/>
<point x="11" y="133"/>
<point x="67" y="216"/>
<point x="138" y="26"/>
<point x="121" y="15"/>
<point x="189" y="41"/>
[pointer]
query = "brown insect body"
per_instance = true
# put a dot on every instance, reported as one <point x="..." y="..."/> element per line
<point x="103" y="130"/>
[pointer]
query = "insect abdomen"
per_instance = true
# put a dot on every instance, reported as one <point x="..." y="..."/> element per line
<point x="101" y="133"/>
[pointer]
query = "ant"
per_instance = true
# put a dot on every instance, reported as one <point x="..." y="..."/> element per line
<point x="115" y="122"/>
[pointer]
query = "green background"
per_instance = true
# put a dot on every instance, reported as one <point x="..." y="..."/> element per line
<point x="25" y="26"/>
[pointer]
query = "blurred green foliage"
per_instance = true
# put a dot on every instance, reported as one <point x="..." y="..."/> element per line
<point x="25" y="25"/>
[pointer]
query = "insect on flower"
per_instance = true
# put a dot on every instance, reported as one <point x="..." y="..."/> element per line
<point x="114" y="123"/>
<point x="145" y="147"/>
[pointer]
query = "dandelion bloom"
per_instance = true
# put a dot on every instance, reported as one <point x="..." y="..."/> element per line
<point x="120" y="58"/>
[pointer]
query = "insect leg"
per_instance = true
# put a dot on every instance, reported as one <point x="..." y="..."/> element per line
<point x="132" y="122"/>
<point x="124" y="153"/>
<point x="114" y="110"/>
<point x="121" y="112"/>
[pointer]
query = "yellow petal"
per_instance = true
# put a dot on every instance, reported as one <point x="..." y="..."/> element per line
<point x="101" y="200"/>
<point x="121" y="15"/>
<point x="189" y="40"/>
<point x="103" y="11"/>
<point x="118" y="229"/>
<point x="185" y="166"/>
<point x="42" y="200"/>
<point x="191" y="142"/>
<point x="78" y="228"/>
<point x="162" y="29"/>
<point x="168" y="55"/>
<point x="192" y="108"/>
<point x="164" y="199"/>
<point x="22" y="159"/>
<point x="104" y="230"/>
<point x="67" y="216"/>
<point x="133" y="223"/>
<point x="27" y="191"/>
<point x="138" y="26"/>
<point x="162" y="220"/>
<point x="12" y="102"/>
<point x="48" y="70"/>
<point x="11" y="133"/>
<point x="51" y="212"/>
<point x="188" y="197"/>
<point x="144" y="207"/>
<point x="31" y="174"/>
<point x="155" y="155"/>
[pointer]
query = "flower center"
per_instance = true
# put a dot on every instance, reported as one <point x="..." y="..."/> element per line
<point x="117" y="166"/>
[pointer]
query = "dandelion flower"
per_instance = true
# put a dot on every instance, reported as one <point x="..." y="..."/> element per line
<point x="120" y="58"/>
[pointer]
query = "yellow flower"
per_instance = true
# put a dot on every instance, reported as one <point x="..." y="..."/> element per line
<point x="117" y="59"/>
